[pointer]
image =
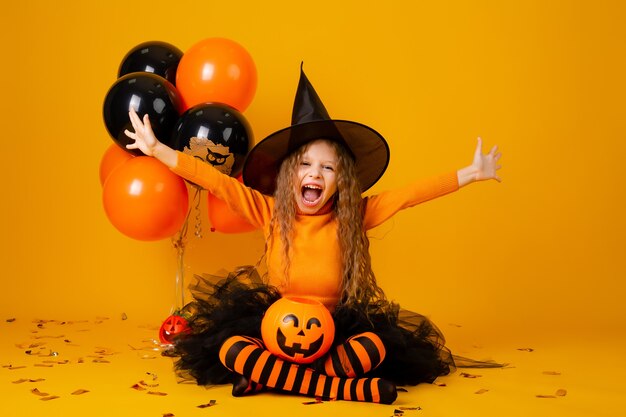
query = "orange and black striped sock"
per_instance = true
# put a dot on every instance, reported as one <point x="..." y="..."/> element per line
<point x="355" y="357"/>
<point x="246" y="357"/>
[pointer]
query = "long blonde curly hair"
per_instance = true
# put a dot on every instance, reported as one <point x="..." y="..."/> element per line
<point x="358" y="281"/>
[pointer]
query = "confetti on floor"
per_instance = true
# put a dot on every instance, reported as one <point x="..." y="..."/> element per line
<point x="51" y="397"/>
<point x="468" y="375"/>
<point x="80" y="392"/>
<point x="103" y="353"/>
<point x="209" y="404"/>
<point x="37" y="392"/>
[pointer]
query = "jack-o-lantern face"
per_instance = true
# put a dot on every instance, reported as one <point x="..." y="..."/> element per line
<point x="173" y="326"/>
<point x="298" y="329"/>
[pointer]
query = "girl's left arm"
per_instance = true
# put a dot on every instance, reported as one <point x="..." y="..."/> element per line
<point x="381" y="207"/>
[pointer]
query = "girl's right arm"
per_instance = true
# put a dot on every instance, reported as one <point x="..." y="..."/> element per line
<point x="250" y="204"/>
<point x="147" y="143"/>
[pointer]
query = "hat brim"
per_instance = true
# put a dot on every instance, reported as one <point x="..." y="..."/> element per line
<point x="369" y="148"/>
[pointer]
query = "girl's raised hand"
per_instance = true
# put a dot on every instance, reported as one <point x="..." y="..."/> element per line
<point x="483" y="167"/>
<point x="143" y="135"/>
<point x="486" y="165"/>
<point x="147" y="143"/>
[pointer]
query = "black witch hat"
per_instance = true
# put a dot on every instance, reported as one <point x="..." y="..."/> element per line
<point x="310" y="121"/>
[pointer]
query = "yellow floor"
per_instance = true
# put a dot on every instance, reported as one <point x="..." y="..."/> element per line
<point x="112" y="367"/>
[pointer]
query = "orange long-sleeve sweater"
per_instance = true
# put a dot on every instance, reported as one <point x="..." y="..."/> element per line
<point x="315" y="269"/>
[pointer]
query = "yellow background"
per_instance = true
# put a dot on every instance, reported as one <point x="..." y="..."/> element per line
<point x="540" y="256"/>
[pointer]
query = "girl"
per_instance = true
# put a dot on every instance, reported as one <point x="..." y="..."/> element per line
<point x="303" y="188"/>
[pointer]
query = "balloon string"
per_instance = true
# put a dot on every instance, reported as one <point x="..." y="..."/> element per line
<point x="179" y="243"/>
<point x="198" y="225"/>
<point x="180" y="279"/>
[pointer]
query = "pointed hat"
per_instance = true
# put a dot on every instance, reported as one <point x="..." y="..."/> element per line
<point x="310" y="121"/>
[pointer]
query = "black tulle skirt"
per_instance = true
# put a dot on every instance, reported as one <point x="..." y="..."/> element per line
<point x="225" y="307"/>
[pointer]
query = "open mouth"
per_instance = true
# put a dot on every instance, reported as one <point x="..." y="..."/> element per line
<point x="311" y="194"/>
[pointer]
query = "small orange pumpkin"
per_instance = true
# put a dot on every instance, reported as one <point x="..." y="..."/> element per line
<point x="298" y="329"/>
<point x="173" y="326"/>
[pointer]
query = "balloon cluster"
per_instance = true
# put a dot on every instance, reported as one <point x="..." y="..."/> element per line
<point x="195" y="102"/>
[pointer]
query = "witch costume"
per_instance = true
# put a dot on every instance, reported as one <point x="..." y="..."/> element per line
<point x="234" y="305"/>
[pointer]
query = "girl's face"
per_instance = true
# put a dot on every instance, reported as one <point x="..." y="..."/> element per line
<point x="316" y="177"/>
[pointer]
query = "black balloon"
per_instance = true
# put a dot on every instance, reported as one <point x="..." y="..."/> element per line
<point x="215" y="133"/>
<point x="155" y="57"/>
<point x="147" y="94"/>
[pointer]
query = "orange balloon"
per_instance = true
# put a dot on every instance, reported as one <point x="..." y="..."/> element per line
<point x="216" y="70"/>
<point x="113" y="157"/>
<point x="144" y="200"/>
<point x="223" y="219"/>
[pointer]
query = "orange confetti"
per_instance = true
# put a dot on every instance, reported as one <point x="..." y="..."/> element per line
<point x="52" y="397"/>
<point x="105" y="351"/>
<point x="22" y="380"/>
<point x="29" y="345"/>
<point x="80" y="392"/>
<point x="138" y="387"/>
<point x="551" y="373"/>
<point x="481" y="391"/>
<point x="37" y="392"/>
<point x="561" y="392"/>
<point x="526" y="349"/>
<point x="162" y="394"/>
<point x="545" y="396"/>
